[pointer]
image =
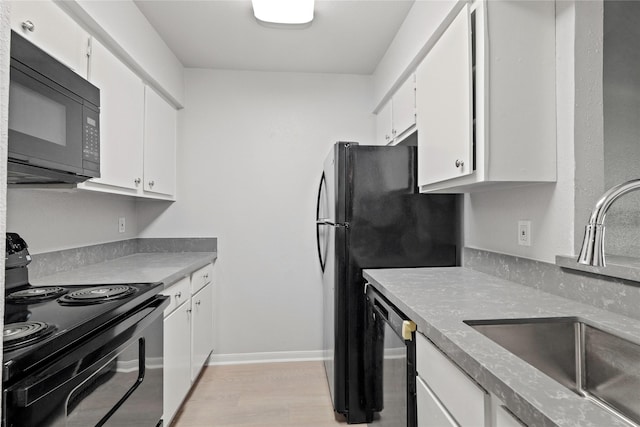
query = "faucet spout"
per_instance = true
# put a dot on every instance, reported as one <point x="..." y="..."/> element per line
<point x="592" y="251"/>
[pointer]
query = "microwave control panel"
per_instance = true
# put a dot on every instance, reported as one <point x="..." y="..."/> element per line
<point x="91" y="142"/>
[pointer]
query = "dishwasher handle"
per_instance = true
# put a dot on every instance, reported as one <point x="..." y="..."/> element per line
<point x="402" y="326"/>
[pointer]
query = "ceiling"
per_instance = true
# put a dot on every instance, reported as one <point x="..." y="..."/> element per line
<point x="346" y="36"/>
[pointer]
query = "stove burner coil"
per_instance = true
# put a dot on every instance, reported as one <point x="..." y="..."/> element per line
<point x="36" y="294"/>
<point x="97" y="295"/>
<point x="21" y="334"/>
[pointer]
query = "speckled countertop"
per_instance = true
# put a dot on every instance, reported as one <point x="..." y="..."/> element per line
<point x="137" y="268"/>
<point x="438" y="300"/>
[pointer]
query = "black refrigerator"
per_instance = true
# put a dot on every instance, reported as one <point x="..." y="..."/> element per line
<point x="370" y="215"/>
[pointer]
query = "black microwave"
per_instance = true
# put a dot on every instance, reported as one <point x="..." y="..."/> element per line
<point x="54" y="120"/>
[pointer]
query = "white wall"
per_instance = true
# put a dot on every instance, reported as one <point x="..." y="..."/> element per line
<point x="250" y="156"/>
<point x="55" y="220"/>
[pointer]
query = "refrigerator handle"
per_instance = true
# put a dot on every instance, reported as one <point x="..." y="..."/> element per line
<point x="318" y="223"/>
<point x="325" y="221"/>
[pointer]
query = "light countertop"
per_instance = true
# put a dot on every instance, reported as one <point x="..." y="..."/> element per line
<point x="438" y="300"/>
<point x="137" y="268"/>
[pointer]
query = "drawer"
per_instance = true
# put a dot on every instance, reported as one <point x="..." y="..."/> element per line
<point x="201" y="277"/>
<point x="459" y="394"/>
<point x="178" y="293"/>
<point x="431" y="413"/>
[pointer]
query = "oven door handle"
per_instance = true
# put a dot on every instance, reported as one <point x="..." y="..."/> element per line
<point x="71" y="369"/>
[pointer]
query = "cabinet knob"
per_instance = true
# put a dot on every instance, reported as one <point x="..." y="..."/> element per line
<point x="198" y="302"/>
<point x="459" y="163"/>
<point x="394" y="132"/>
<point x="151" y="183"/>
<point x="179" y="294"/>
<point x="137" y="181"/>
<point x="189" y="310"/>
<point x="206" y="276"/>
<point x="28" y="26"/>
<point x="387" y="137"/>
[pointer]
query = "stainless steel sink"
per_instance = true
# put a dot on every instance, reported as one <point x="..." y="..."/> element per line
<point x="595" y="364"/>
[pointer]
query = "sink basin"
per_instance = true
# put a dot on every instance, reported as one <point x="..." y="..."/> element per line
<point x="595" y="364"/>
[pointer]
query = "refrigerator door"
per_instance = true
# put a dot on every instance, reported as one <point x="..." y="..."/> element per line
<point x="330" y="257"/>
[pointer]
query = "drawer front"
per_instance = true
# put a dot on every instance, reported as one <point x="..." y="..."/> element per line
<point x="201" y="277"/>
<point x="178" y="293"/>
<point x="431" y="413"/>
<point x="462" y="397"/>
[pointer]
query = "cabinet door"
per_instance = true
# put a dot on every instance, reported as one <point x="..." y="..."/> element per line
<point x="444" y="105"/>
<point x="202" y="332"/>
<point x="504" y="418"/>
<point x="177" y="360"/>
<point x="404" y="107"/>
<point x="461" y="397"/>
<point x="431" y="413"/>
<point x="383" y="125"/>
<point x="50" y="28"/>
<point x="159" y="144"/>
<point x="121" y="119"/>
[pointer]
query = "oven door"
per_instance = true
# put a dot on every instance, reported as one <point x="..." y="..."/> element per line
<point x="113" y="378"/>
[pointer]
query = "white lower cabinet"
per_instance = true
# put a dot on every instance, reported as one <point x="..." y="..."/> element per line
<point x="188" y="337"/>
<point x="202" y="329"/>
<point x="177" y="361"/>
<point x="504" y="418"/>
<point x="458" y="399"/>
<point x="448" y="397"/>
<point x="431" y="413"/>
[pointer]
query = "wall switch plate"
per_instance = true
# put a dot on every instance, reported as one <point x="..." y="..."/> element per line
<point x="121" y="225"/>
<point x="524" y="233"/>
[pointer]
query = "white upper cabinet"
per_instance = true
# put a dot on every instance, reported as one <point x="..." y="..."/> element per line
<point x="485" y="96"/>
<point x="160" y="122"/>
<point x="50" y="28"/>
<point x="404" y="108"/>
<point x="384" y="125"/>
<point x="398" y="115"/>
<point x="121" y="119"/>
<point x="444" y="105"/>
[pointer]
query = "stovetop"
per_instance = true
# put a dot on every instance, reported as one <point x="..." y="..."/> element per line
<point x="61" y="317"/>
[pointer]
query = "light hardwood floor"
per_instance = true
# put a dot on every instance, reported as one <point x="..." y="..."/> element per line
<point x="265" y="395"/>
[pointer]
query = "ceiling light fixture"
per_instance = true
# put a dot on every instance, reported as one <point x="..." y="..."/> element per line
<point x="283" y="11"/>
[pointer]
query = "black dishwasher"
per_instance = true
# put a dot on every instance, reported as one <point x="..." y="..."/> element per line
<point x="390" y="362"/>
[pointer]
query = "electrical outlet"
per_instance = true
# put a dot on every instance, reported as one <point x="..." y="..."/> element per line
<point x="524" y="233"/>
<point x="122" y="227"/>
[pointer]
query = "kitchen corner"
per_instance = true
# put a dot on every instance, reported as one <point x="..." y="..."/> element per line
<point x="137" y="307"/>
<point x="440" y="300"/>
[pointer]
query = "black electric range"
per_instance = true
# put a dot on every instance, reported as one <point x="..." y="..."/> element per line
<point x="41" y="321"/>
<point x="60" y="339"/>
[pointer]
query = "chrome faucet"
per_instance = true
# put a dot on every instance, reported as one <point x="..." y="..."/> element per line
<point x="592" y="252"/>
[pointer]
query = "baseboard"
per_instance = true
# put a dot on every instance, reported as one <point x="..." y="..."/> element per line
<point x="267" y="357"/>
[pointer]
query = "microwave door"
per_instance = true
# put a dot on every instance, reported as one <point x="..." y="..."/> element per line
<point x="45" y="124"/>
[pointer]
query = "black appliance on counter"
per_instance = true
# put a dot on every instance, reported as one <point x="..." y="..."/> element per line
<point x="54" y="120"/>
<point x="370" y="215"/>
<point x="80" y="355"/>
